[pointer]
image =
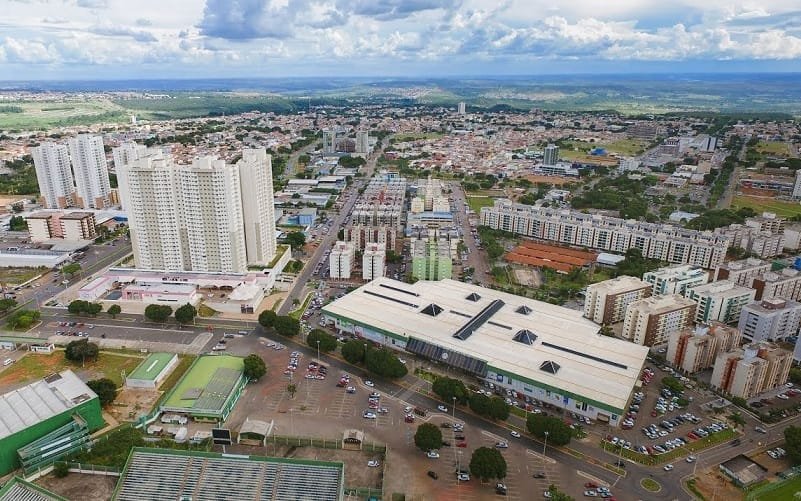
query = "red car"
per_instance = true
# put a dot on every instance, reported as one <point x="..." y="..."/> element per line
<point x="461" y="444"/>
<point x="591" y="485"/>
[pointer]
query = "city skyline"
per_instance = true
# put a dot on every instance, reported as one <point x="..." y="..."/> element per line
<point x="109" y="39"/>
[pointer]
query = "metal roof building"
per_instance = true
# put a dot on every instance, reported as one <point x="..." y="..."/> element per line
<point x="174" y="475"/>
<point x="546" y="352"/>
<point x="43" y="420"/>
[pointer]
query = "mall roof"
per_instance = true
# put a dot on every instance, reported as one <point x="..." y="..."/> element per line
<point x="36" y="402"/>
<point x="548" y="344"/>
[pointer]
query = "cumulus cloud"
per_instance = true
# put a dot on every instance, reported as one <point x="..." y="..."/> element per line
<point x="92" y="4"/>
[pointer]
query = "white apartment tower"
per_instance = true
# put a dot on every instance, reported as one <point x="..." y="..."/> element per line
<point x="256" y="178"/>
<point x="192" y="217"/>
<point x="148" y="188"/>
<point x="373" y="261"/>
<point x="462" y="109"/>
<point x="362" y="142"/>
<point x="127" y="152"/>
<point x="91" y="170"/>
<point x="53" y="173"/>
<point x="341" y="259"/>
<point x="211" y="205"/>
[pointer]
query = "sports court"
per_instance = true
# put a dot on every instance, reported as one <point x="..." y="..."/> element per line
<point x="209" y="389"/>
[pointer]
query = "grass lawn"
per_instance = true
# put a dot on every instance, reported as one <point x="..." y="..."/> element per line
<point x="35" y="366"/>
<point x="477" y="202"/>
<point x="199" y="376"/>
<point x="15" y="276"/>
<point x="787" y="490"/>
<point x="779" y="207"/>
<point x="205" y="311"/>
<point x="298" y="312"/>
<point x="774" y="148"/>
<point x="46" y="114"/>
<point x="626" y="147"/>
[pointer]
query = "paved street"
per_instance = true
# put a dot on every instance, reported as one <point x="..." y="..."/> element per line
<point x="476" y="258"/>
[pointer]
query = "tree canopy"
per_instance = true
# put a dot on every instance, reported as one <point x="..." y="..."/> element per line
<point x="792" y="443"/>
<point x="384" y="363"/>
<point x="22" y="319"/>
<point x="428" y="437"/>
<point x="71" y="269"/>
<point x="296" y="239"/>
<point x="185" y="314"/>
<point x="114" y="310"/>
<point x="105" y="388"/>
<point x="353" y="351"/>
<point x="487" y="463"/>
<point x="81" y="350"/>
<point x="255" y="367"/>
<point x="81" y="307"/>
<point x="286" y="326"/>
<point x="158" y="312"/>
<point x="447" y="388"/>
<point x="328" y="342"/>
<point x="267" y="319"/>
<point x="558" y="432"/>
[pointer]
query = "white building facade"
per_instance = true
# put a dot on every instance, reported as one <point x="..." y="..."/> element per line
<point x="91" y="170"/>
<point x="373" y="261"/>
<point x="54" y="175"/>
<point x="258" y="211"/>
<point x="341" y="260"/>
<point x="770" y="320"/>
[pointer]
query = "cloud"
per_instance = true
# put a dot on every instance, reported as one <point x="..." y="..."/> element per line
<point x="144" y="22"/>
<point x="92" y="4"/>
<point x="54" y="20"/>
<point x="122" y="31"/>
<point x="394" y="9"/>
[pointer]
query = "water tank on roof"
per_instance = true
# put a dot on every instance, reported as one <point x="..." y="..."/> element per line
<point x="797" y="263"/>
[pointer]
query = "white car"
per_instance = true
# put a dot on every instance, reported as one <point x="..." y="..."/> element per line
<point x="373" y="463"/>
<point x="691" y="459"/>
<point x="591" y="494"/>
<point x="432" y="455"/>
<point x="502" y="445"/>
<point x="368" y="415"/>
<point x="515" y="434"/>
<point x="668" y="467"/>
<point x="463" y="477"/>
<point x="402" y="361"/>
<point x="369" y="383"/>
<point x="442" y="408"/>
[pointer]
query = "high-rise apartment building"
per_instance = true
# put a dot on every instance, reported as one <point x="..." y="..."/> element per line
<point x="191" y="217"/>
<point x="127" y="152"/>
<point x="605" y="302"/>
<point x="676" y="279"/>
<point x="373" y="261"/>
<point x="211" y="206"/>
<point x="91" y="171"/>
<point x="551" y="155"/>
<point x="362" y="142"/>
<point x="770" y="319"/>
<point x="692" y="350"/>
<point x="462" y="108"/>
<point x="341" y="259"/>
<point x="149" y="189"/>
<point x="54" y="175"/>
<point x="651" y="320"/>
<point x="742" y="272"/>
<point x="258" y="211"/>
<point x="431" y="259"/>
<point x="722" y="301"/>
<point x="656" y="241"/>
<point x="751" y="370"/>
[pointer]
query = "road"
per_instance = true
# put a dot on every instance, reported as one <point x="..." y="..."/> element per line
<point x="297" y="290"/>
<point x="477" y="258"/>
<point x="289" y="169"/>
<point x="728" y="195"/>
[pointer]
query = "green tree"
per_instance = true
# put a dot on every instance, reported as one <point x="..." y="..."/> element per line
<point x="105" y="388"/>
<point x="447" y="388"/>
<point x="487" y="463"/>
<point x="22" y="319"/>
<point x="606" y="330"/>
<point x="558" y="432"/>
<point x="267" y="319"/>
<point x="792" y="443"/>
<point x="255" y="367"/>
<point x="93" y="308"/>
<point x="737" y="418"/>
<point x="291" y="388"/>
<point x="61" y="470"/>
<point x="672" y="384"/>
<point x="71" y="269"/>
<point x="114" y="310"/>
<point x="185" y="314"/>
<point x="81" y="350"/>
<point x="384" y="363"/>
<point x="158" y="312"/>
<point x="795" y="375"/>
<point x="7" y="304"/>
<point x="287" y="326"/>
<point x="498" y="409"/>
<point x="17" y="223"/>
<point x="77" y="307"/>
<point x="480" y="404"/>
<point x="328" y="343"/>
<point x="353" y="351"/>
<point x="557" y="495"/>
<point x="296" y="239"/>
<point x="428" y="437"/>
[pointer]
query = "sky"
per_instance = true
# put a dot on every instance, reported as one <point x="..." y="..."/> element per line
<point x="152" y="39"/>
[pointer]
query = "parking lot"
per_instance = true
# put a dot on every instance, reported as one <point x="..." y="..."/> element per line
<point x="321" y="408"/>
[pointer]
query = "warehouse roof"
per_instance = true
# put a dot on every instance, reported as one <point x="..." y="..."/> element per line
<point x="152" y="366"/>
<point x="547" y="344"/>
<point x="32" y="404"/>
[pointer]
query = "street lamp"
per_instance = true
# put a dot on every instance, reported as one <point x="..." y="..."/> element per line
<point x="545" y="444"/>
<point x="318" y="350"/>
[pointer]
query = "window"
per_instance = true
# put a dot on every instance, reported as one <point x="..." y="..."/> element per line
<point x="432" y="310"/>
<point x="525" y="336"/>
<point x="550" y="367"/>
<point x="523" y="310"/>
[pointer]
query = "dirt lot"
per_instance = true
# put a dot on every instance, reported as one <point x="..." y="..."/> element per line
<point x="554" y="180"/>
<point x="132" y="403"/>
<point x="529" y="277"/>
<point x="712" y="484"/>
<point x="80" y="487"/>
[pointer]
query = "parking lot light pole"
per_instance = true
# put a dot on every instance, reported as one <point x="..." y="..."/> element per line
<point x="318" y="350"/>
<point x="545" y="444"/>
